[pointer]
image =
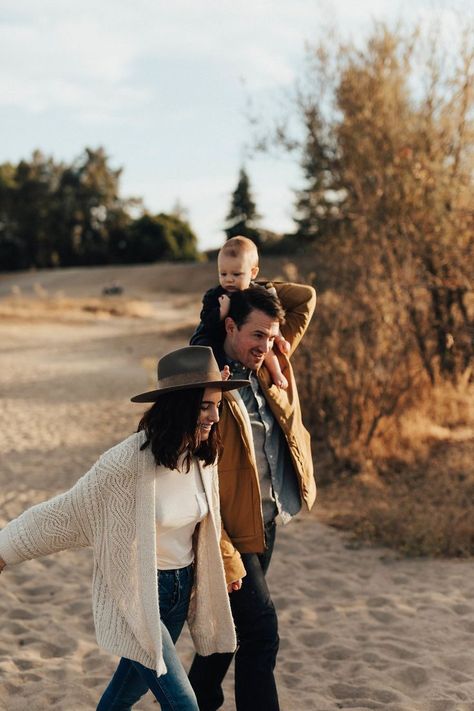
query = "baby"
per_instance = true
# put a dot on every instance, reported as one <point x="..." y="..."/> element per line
<point x="237" y="264"/>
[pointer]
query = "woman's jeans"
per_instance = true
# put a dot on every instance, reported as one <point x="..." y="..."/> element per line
<point x="257" y="632"/>
<point x="132" y="680"/>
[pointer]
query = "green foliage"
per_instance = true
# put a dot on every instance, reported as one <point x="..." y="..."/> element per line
<point x="152" y="238"/>
<point x="243" y="214"/>
<point x="53" y="214"/>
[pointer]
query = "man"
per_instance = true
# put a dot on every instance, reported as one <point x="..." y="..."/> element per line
<point x="265" y="470"/>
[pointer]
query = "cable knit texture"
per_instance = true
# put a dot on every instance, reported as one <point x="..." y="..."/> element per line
<point x="112" y="509"/>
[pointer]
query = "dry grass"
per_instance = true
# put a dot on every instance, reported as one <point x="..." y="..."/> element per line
<point x="416" y="494"/>
<point x="57" y="307"/>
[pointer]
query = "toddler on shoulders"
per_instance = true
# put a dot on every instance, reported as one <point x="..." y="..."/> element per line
<point x="237" y="264"/>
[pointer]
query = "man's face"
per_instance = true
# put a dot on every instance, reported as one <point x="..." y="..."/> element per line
<point x="250" y="344"/>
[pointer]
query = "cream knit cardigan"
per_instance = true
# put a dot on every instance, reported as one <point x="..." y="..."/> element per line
<point x="112" y="509"/>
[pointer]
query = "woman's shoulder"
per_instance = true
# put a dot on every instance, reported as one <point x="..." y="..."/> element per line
<point x="123" y="453"/>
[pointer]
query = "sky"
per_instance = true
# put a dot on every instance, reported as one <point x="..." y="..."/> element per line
<point x="164" y="86"/>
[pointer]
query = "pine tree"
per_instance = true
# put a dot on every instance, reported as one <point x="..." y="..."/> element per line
<point x="243" y="211"/>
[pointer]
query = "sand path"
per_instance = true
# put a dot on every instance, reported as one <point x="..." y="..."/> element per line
<point x="360" y="628"/>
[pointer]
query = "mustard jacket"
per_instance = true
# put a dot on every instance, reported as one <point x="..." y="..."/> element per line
<point x="241" y="508"/>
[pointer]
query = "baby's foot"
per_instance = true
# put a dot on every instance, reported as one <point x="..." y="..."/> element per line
<point x="281" y="382"/>
<point x="282" y="345"/>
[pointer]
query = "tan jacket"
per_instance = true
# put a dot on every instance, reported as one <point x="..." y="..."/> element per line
<point x="241" y="507"/>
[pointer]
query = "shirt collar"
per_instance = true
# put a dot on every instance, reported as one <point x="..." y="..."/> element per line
<point x="237" y="370"/>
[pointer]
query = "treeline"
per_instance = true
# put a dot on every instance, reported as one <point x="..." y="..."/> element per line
<point x="58" y="215"/>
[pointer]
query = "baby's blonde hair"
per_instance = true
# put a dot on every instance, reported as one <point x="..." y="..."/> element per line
<point x="240" y="246"/>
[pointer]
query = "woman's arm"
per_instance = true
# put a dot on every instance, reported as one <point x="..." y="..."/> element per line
<point x="52" y="526"/>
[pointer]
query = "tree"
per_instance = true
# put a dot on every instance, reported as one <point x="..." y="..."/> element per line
<point x="152" y="238"/>
<point x="243" y="212"/>
<point x="53" y="214"/>
<point x="13" y="251"/>
<point x="386" y="146"/>
<point x="389" y="169"/>
<point x="90" y="192"/>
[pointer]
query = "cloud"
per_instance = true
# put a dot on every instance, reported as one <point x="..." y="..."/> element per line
<point x="61" y="54"/>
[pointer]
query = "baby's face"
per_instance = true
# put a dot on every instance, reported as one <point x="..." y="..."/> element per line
<point x="235" y="273"/>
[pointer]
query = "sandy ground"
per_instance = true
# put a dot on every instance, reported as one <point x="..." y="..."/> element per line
<point x="360" y="628"/>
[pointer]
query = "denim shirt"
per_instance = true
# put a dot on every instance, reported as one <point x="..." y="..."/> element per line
<point x="278" y="483"/>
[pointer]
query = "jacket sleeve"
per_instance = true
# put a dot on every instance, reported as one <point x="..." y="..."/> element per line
<point x="210" y="328"/>
<point x="233" y="566"/>
<point x="299" y="302"/>
<point x="54" y="525"/>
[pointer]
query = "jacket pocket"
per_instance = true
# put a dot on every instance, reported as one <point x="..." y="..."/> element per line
<point x="240" y="503"/>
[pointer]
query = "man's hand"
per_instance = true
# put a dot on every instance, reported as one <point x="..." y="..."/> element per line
<point x="225" y="372"/>
<point x="236" y="585"/>
<point x="224" y="306"/>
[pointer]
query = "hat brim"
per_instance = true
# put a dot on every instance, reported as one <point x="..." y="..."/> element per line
<point x="224" y="385"/>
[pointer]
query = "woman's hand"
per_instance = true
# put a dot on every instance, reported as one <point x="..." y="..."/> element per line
<point x="236" y="585"/>
<point x="2" y="564"/>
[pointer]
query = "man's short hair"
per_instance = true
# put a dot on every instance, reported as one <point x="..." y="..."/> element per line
<point x="252" y="299"/>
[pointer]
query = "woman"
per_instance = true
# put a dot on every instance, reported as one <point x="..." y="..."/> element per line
<point x="150" y="503"/>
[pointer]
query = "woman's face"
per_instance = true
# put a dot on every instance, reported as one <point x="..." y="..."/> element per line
<point x="209" y="412"/>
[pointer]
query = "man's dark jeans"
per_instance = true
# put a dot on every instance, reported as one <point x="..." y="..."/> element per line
<point x="257" y="632"/>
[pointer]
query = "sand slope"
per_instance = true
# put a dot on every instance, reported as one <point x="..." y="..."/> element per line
<point x="360" y="629"/>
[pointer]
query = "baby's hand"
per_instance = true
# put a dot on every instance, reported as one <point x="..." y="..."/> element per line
<point x="282" y="344"/>
<point x="225" y="372"/>
<point x="224" y="305"/>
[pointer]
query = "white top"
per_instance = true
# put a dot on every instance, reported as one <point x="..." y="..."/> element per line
<point x="180" y="503"/>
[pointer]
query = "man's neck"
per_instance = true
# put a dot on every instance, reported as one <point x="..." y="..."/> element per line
<point x="230" y="355"/>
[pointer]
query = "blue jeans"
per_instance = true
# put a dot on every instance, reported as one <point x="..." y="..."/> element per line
<point x="257" y="632"/>
<point x="132" y="680"/>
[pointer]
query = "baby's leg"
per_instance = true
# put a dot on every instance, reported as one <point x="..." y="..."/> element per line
<point x="271" y="361"/>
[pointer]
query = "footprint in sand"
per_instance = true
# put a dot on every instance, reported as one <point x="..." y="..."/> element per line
<point x="386" y="618"/>
<point x="18" y="613"/>
<point x="412" y="675"/>
<point x="314" y="639"/>
<point x="337" y="653"/>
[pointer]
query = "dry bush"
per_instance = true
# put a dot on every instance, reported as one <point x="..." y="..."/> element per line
<point x="412" y="487"/>
<point x="386" y="215"/>
<point x="361" y="370"/>
<point x="394" y="450"/>
<point x="420" y="503"/>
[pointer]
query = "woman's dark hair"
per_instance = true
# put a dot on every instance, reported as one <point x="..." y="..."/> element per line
<point x="171" y="429"/>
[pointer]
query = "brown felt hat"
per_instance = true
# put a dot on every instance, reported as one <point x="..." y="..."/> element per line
<point x="190" y="367"/>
